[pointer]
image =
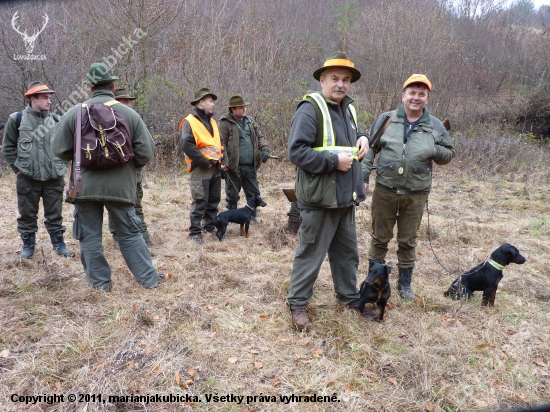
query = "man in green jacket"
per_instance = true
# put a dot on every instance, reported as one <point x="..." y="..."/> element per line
<point x="26" y="148"/>
<point x="326" y="146"/>
<point x="113" y="189"/>
<point x="408" y="140"/>
<point x="246" y="149"/>
<point x="123" y="97"/>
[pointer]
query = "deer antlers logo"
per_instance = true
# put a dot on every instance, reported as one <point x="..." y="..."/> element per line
<point x="29" y="40"/>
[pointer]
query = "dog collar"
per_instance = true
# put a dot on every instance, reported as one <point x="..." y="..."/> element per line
<point x="251" y="208"/>
<point x="496" y="265"/>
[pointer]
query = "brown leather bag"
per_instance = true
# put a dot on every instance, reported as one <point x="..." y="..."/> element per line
<point x="74" y="188"/>
<point x="106" y="140"/>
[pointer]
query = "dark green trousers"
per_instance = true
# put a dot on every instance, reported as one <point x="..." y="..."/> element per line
<point x="389" y="209"/>
<point x="206" y="187"/>
<point x="294" y="210"/>
<point x="247" y="179"/>
<point x="139" y="213"/>
<point x="325" y="231"/>
<point x="29" y="192"/>
<point x="87" y="228"/>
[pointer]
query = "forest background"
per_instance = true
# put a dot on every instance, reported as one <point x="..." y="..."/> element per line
<point x="489" y="60"/>
<point x="220" y="324"/>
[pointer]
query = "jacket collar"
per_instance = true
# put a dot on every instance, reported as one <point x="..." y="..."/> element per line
<point x="229" y="116"/>
<point x="36" y="113"/>
<point x="103" y="93"/>
<point x="346" y="101"/>
<point x="201" y="114"/>
<point x="425" y="118"/>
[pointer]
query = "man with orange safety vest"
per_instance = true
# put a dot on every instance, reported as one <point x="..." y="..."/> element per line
<point x="205" y="158"/>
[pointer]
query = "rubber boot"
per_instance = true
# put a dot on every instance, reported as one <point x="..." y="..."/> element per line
<point x="404" y="284"/>
<point x="29" y="242"/>
<point x="293" y="224"/>
<point x="59" y="245"/>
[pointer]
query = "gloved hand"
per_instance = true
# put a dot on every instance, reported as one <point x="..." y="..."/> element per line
<point x="265" y="155"/>
<point x="223" y="174"/>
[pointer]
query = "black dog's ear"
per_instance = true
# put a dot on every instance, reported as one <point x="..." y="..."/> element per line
<point x="388" y="270"/>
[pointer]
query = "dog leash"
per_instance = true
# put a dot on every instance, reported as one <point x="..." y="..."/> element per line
<point x="229" y="177"/>
<point x="379" y="292"/>
<point x="430" y="241"/>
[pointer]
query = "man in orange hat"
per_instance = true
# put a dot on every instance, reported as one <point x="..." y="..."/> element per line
<point x="326" y="146"/>
<point x="26" y="148"/>
<point x="413" y="141"/>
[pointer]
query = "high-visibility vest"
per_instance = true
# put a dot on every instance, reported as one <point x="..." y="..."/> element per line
<point x="210" y="146"/>
<point x="329" y="139"/>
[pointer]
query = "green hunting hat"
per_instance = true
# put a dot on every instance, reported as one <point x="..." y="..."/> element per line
<point x="201" y="94"/>
<point x="121" y="93"/>
<point x="236" y="101"/>
<point x="338" y="59"/>
<point x="37" y="88"/>
<point x="98" y="74"/>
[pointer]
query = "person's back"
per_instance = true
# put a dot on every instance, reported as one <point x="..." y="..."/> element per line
<point x="113" y="189"/>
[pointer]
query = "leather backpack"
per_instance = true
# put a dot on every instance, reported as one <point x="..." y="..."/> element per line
<point x="106" y="142"/>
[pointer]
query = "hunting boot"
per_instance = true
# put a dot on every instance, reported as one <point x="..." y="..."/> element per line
<point x="300" y="318"/>
<point x="59" y="245"/>
<point x="404" y="284"/>
<point x="293" y="224"/>
<point x="29" y="241"/>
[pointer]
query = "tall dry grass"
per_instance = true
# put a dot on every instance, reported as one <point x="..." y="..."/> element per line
<point x="220" y="323"/>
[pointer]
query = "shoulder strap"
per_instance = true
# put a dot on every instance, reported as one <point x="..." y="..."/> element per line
<point x="109" y="103"/>
<point x="375" y="144"/>
<point x="78" y="151"/>
<point x="18" y="118"/>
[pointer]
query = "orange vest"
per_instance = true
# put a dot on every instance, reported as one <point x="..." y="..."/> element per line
<point x="210" y="146"/>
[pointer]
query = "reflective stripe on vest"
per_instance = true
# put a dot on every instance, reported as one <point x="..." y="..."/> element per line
<point x="328" y="131"/>
<point x="210" y="146"/>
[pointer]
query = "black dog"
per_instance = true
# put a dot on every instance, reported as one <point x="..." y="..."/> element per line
<point x="376" y="288"/>
<point x="241" y="216"/>
<point x="485" y="277"/>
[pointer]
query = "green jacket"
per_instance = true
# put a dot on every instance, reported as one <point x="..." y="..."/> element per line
<point x="112" y="185"/>
<point x="229" y="134"/>
<point x="429" y="142"/>
<point x="28" y="150"/>
<point x="318" y="182"/>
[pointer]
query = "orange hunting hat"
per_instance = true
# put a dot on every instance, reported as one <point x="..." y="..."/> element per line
<point x="418" y="78"/>
<point x="338" y="59"/>
<point x="37" y="88"/>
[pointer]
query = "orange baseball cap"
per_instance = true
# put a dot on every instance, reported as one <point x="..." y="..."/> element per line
<point x="418" y="78"/>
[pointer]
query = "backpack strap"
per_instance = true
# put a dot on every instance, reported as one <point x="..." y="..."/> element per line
<point x="375" y="143"/>
<point x="18" y="118"/>
<point x="109" y="103"/>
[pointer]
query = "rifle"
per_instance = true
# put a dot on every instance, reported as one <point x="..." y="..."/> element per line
<point x="74" y="188"/>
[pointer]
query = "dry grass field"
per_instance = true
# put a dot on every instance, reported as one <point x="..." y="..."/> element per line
<point x="220" y="326"/>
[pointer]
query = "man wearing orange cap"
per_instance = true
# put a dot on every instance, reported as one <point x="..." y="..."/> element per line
<point x="326" y="147"/>
<point x="409" y="141"/>
<point x="26" y="148"/>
